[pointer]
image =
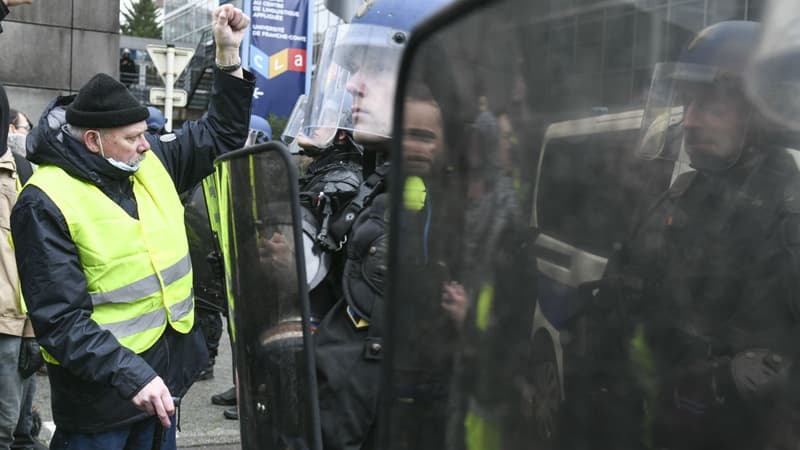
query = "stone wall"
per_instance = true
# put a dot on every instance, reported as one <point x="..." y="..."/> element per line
<point x="52" y="47"/>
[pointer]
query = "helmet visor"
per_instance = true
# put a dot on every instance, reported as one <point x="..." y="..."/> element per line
<point x="293" y="125"/>
<point x="698" y="109"/>
<point x="355" y="84"/>
<point x="663" y="113"/>
<point x="295" y="121"/>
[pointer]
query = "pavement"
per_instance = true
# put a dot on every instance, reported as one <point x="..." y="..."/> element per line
<point x="202" y="423"/>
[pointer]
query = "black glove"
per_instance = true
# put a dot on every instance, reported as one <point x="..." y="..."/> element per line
<point x="701" y="385"/>
<point x="214" y="260"/>
<point x="30" y="357"/>
<point x="761" y="375"/>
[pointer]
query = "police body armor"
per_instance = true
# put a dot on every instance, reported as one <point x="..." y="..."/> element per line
<point x="328" y="186"/>
<point x="330" y="183"/>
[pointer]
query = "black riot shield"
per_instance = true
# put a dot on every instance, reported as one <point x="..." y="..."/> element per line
<point x="261" y="234"/>
<point x="551" y="288"/>
<point x="204" y="251"/>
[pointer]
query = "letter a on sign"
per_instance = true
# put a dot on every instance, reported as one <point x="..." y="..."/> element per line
<point x="297" y="59"/>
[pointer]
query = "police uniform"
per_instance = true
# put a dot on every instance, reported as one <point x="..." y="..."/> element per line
<point x="331" y="181"/>
<point x="349" y="340"/>
<point x="716" y="263"/>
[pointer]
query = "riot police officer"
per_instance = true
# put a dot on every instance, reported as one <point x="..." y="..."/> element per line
<point x="364" y="59"/>
<point x="331" y="174"/>
<point x="708" y="279"/>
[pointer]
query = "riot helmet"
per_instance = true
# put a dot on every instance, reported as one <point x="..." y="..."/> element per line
<point x="260" y="131"/>
<point x="357" y="72"/>
<point x="700" y="100"/>
<point x="319" y="141"/>
<point x="155" y="121"/>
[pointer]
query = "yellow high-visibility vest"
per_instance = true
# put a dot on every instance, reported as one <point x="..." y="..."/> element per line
<point x="138" y="272"/>
<point x="415" y="193"/>
<point x="223" y="199"/>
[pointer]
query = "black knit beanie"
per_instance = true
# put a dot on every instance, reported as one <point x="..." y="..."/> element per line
<point x="104" y="102"/>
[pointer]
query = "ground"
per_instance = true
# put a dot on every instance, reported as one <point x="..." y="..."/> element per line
<point x="202" y="424"/>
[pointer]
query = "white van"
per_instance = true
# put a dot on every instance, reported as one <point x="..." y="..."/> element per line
<point x="590" y="182"/>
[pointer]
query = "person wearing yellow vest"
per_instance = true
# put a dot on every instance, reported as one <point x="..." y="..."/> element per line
<point x="103" y="257"/>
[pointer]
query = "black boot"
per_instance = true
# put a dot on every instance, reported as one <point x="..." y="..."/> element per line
<point x="231" y="413"/>
<point x="206" y="374"/>
<point x="227" y="398"/>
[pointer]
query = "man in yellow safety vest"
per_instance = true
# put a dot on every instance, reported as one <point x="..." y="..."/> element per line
<point x="103" y="256"/>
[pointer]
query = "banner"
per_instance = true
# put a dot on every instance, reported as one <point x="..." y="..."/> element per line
<point x="276" y="50"/>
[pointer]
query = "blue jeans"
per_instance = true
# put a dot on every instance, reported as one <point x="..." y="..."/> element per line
<point x="10" y="388"/>
<point x="138" y="436"/>
<point x="23" y="436"/>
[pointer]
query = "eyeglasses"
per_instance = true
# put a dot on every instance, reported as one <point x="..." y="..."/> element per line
<point x="23" y="127"/>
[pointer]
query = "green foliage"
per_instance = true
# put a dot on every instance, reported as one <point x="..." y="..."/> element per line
<point x="141" y="19"/>
<point x="278" y="124"/>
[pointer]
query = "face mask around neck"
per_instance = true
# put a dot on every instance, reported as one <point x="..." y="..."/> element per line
<point x="118" y="164"/>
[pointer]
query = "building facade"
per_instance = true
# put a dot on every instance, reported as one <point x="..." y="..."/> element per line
<point x="52" y="48"/>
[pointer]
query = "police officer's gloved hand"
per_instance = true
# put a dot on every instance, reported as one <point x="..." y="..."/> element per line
<point x="698" y="386"/>
<point x="761" y="376"/>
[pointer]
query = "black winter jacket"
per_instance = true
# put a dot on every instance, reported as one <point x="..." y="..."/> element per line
<point x="93" y="386"/>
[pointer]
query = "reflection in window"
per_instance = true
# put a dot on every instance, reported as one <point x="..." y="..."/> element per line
<point x="590" y="187"/>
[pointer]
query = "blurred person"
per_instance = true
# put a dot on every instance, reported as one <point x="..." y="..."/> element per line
<point x="16" y="333"/>
<point x="13" y="323"/>
<point x="24" y="436"/>
<point x="19" y="126"/>
<point x="155" y="121"/>
<point x="18" y="122"/>
<point x="128" y="73"/>
<point x="700" y="305"/>
<point x="110" y="294"/>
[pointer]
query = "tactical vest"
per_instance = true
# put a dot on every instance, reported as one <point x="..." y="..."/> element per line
<point x="138" y="272"/>
<point x="325" y="192"/>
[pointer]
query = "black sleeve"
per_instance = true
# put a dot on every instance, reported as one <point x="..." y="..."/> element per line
<point x="3" y="116"/>
<point x="55" y="292"/>
<point x="189" y="153"/>
<point x="24" y="169"/>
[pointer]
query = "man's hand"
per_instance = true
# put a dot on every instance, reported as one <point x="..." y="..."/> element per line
<point x="156" y="399"/>
<point x="229" y="24"/>
<point x="277" y="254"/>
<point x="454" y="301"/>
<point x="17" y="2"/>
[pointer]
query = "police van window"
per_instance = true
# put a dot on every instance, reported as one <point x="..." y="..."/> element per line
<point x="590" y="187"/>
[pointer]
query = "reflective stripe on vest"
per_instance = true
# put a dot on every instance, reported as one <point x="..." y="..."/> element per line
<point x="138" y="272"/>
<point x="222" y="178"/>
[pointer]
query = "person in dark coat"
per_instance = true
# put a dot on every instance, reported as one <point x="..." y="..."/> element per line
<point x="114" y="362"/>
<point x="14" y="323"/>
